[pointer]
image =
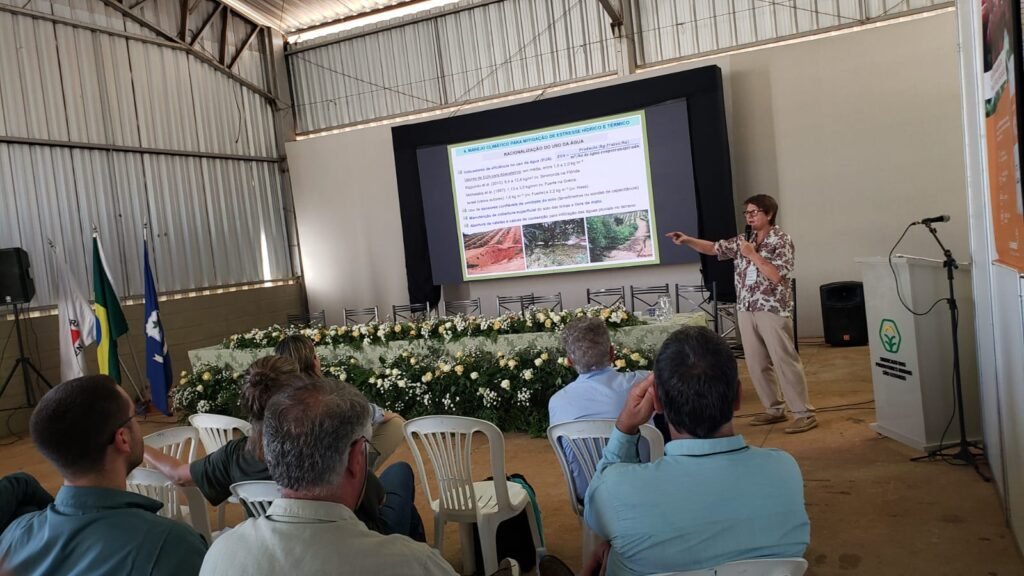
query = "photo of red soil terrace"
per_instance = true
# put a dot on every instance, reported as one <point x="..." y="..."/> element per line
<point x="494" y="251"/>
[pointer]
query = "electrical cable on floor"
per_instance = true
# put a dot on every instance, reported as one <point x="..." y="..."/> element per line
<point x="835" y="408"/>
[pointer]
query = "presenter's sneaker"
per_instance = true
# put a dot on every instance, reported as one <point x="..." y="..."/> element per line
<point x="802" y="424"/>
<point x="766" y="419"/>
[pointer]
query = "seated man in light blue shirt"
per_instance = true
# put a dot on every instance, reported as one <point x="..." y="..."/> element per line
<point x="599" y="392"/>
<point x="711" y="499"/>
<point x="87" y="429"/>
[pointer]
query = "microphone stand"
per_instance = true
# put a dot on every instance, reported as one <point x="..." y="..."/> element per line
<point x="963" y="453"/>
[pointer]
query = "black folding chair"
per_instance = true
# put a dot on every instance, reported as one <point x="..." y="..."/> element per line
<point x="409" y="312"/>
<point x="464" y="307"/>
<point x="516" y="304"/>
<point x="539" y="302"/>
<point x="360" y="315"/>
<point x="303" y="320"/>
<point x="607" y="297"/>
<point x="646" y="295"/>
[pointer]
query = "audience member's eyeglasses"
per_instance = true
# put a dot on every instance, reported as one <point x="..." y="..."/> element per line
<point x="752" y="212"/>
<point x="113" y="436"/>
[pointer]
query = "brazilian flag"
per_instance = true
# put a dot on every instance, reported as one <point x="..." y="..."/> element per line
<point x="110" y="323"/>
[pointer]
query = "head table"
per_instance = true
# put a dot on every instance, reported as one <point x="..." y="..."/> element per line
<point x="649" y="335"/>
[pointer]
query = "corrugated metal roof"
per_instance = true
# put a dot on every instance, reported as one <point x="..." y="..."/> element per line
<point x="210" y="219"/>
<point x="292" y="15"/>
<point x="476" y="50"/>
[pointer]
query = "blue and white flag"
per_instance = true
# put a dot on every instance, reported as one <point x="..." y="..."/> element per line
<point x="158" y="361"/>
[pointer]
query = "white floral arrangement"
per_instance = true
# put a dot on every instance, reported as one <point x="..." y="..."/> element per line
<point x="437" y="329"/>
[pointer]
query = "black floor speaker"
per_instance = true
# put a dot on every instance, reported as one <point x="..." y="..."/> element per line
<point x="843" y="317"/>
<point x="16" y="285"/>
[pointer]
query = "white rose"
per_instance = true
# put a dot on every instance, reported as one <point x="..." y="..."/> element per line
<point x="506" y="384"/>
<point x="199" y="388"/>
<point x="527" y="374"/>
<point x="459" y="369"/>
<point x="512" y="363"/>
<point x="474" y="375"/>
<point x="538" y="362"/>
<point x="427" y="377"/>
<point x="544" y="356"/>
<point x="635" y="356"/>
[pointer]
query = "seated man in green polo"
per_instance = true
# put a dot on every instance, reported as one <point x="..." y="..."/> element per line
<point x="86" y="428"/>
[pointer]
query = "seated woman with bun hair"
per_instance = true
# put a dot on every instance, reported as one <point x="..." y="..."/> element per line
<point x="241" y="459"/>
<point x="387" y="426"/>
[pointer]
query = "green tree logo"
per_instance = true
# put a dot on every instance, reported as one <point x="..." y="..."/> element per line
<point x="890" y="336"/>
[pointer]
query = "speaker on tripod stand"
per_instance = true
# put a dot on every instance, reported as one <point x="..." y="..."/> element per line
<point x="18" y="289"/>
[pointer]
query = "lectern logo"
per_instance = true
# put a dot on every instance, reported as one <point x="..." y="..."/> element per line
<point x="890" y="336"/>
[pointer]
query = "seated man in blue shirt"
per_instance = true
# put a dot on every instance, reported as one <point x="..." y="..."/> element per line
<point x="86" y="428"/>
<point x="711" y="499"/>
<point x="599" y="392"/>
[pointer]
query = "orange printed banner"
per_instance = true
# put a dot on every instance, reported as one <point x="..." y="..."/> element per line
<point x="1001" y="129"/>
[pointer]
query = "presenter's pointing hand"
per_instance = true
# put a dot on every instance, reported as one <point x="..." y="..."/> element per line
<point x="677" y="237"/>
<point x="639" y="407"/>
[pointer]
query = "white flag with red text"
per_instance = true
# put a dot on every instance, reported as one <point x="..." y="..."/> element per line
<point x="77" y="326"/>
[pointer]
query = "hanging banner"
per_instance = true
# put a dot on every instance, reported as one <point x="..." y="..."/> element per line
<point x="1000" y="37"/>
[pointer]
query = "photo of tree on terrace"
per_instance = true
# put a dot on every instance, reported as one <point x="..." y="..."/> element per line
<point x="498" y="250"/>
<point x="622" y="236"/>
<point x="551" y="244"/>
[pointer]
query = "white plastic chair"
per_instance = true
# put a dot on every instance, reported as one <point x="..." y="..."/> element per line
<point x="216" y="430"/>
<point x="448" y="442"/>
<point x="179" y="442"/>
<point x="759" y="567"/>
<point x="587" y="440"/>
<point x="256" y="496"/>
<point x="185" y="504"/>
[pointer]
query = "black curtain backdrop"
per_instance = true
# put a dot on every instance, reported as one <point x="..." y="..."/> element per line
<point x="702" y="89"/>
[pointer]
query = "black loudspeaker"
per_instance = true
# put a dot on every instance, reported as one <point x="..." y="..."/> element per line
<point x="16" y="285"/>
<point x="843" y="316"/>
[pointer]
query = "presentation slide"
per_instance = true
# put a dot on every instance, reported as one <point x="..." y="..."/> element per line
<point x="570" y="197"/>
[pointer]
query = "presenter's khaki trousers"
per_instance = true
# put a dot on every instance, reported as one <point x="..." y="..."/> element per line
<point x="768" y="341"/>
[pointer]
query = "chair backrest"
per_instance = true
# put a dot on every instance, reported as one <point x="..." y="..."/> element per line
<point x="311" y="319"/>
<point x="607" y="297"/>
<point x="646" y="295"/>
<point x="448" y="441"/>
<point x="361" y="315"/>
<point x="553" y="302"/>
<point x="587" y="440"/>
<point x="698" y="297"/>
<point x="516" y="304"/>
<point x="216" y="430"/>
<point x="179" y="442"/>
<point x="154" y="484"/>
<point x="758" y="567"/>
<point x="177" y="500"/>
<point x="465" y="307"/>
<point x="407" y="312"/>
<point x="256" y="496"/>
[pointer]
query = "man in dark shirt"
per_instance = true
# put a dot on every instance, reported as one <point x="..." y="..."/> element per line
<point x="20" y="494"/>
<point x="86" y="428"/>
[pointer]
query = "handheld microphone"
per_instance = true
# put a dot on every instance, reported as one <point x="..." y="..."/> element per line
<point x="748" y="234"/>
<point x="935" y="219"/>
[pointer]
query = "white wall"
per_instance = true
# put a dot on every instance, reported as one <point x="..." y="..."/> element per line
<point x="350" y="231"/>
<point x="856" y="135"/>
<point x="999" y="304"/>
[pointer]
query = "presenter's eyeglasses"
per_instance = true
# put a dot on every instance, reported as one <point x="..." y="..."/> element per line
<point x="752" y="212"/>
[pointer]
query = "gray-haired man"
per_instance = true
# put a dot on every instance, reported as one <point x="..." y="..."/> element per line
<point x="314" y="441"/>
<point x="599" y="392"/>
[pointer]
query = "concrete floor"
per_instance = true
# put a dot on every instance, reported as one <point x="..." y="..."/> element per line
<point x="872" y="511"/>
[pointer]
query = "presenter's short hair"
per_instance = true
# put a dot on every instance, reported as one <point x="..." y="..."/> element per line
<point x="766" y="204"/>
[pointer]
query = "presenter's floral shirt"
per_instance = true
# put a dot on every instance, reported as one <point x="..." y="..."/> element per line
<point x="757" y="293"/>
